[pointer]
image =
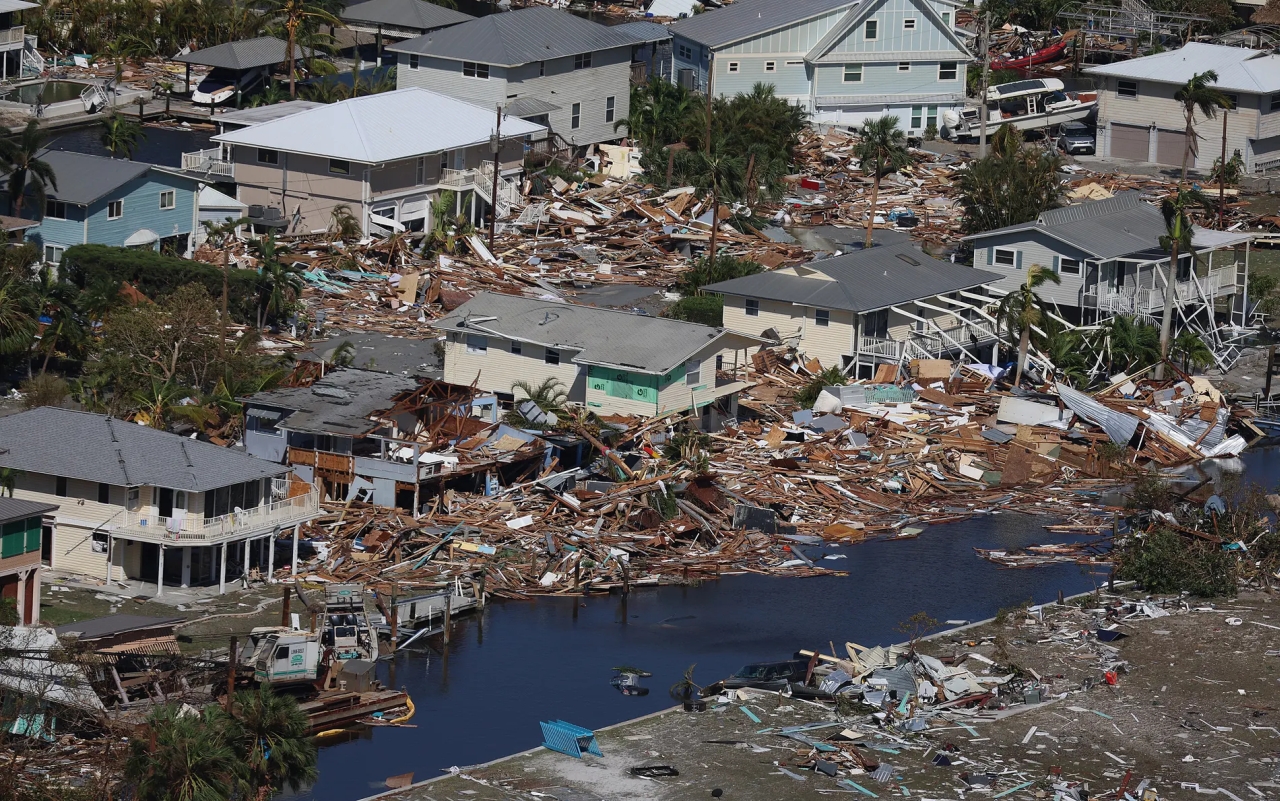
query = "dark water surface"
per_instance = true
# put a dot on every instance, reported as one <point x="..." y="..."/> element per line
<point x="530" y="661"/>
<point x="162" y="146"/>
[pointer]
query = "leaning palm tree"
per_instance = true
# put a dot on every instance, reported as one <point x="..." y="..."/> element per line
<point x="1176" y="241"/>
<point x="184" y="758"/>
<point x="291" y="15"/>
<point x="1022" y="310"/>
<point x="882" y="150"/>
<point x="120" y="135"/>
<point x="28" y="174"/>
<point x="1197" y="94"/>
<point x="268" y="733"/>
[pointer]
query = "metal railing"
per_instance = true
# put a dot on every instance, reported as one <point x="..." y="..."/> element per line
<point x="196" y="528"/>
<point x="209" y="161"/>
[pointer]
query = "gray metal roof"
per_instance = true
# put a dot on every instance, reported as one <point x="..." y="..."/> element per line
<point x="386" y="354"/>
<point x="643" y="31"/>
<point x="340" y="403"/>
<point x="83" y="179"/>
<point x="95" y="447"/>
<point x="264" y="51"/>
<point x="863" y="281"/>
<point x="602" y="337"/>
<point x="414" y="15"/>
<point x="1239" y="69"/>
<point x="518" y="37"/>
<point x="747" y="18"/>
<point x="1124" y="225"/>
<point x="529" y="107"/>
<point x="16" y="509"/>
<point x="276" y="111"/>
<point x="113" y="624"/>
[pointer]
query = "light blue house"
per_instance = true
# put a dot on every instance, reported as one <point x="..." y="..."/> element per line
<point x="843" y="61"/>
<point x="102" y="201"/>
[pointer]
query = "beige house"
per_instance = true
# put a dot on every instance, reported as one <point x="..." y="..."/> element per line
<point x="387" y="157"/>
<point x="136" y="503"/>
<point x="887" y="304"/>
<point x="612" y="362"/>
<point x="1139" y="119"/>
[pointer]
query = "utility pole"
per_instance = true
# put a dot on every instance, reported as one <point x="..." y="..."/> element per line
<point x="232" y="659"/>
<point x="496" y="147"/>
<point x="711" y="72"/>
<point x="1222" y="174"/>
<point x="985" y="43"/>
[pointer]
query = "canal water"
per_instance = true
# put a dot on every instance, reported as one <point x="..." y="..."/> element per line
<point x="523" y="662"/>
<point x="161" y="146"/>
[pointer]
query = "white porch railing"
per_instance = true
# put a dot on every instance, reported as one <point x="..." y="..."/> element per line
<point x="480" y="180"/>
<point x="875" y="346"/>
<point x="210" y="162"/>
<point x="12" y="36"/>
<point x="195" y="528"/>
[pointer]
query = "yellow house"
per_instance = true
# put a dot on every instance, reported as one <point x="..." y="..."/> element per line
<point x="612" y="362"/>
<point x="888" y="304"/>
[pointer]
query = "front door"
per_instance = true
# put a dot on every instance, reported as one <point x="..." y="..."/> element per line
<point x="166" y="502"/>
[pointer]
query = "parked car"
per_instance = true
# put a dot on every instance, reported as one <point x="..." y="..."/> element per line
<point x="1076" y="138"/>
<point x="768" y="675"/>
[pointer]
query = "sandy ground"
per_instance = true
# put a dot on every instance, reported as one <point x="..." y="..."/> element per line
<point x="1195" y="708"/>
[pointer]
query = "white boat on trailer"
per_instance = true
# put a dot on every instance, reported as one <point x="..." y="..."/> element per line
<point x="1026" y="105"/>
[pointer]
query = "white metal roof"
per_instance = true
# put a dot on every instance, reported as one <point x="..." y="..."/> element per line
<point x="375" y="129"/>
<point x="16" y="5"/>
<point x="1239" y="68"/>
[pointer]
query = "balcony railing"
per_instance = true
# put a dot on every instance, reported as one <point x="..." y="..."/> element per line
<point x="197" y="529"/>
<point x="210" y="162"/>
<point x="9" y="36"/>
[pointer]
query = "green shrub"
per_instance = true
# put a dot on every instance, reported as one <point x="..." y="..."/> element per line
<point x="830" y="377"/>
<point x="704" y="272"/>
<point x="1164" y="561"/>
<point x="705" y="309"/>
<point x="158" y="276"/>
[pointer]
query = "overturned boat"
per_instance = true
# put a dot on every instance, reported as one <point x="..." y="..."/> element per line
<point x="1026" y="105"/>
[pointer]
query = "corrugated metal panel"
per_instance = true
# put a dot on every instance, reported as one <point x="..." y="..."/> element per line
<point x="1120" y="427"/>
<point x="520" y="37"/>
<point x="746" y="18"/>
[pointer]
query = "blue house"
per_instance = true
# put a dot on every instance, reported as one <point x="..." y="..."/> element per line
<point x="104" y="201"/>
<point x="843" y="61"/>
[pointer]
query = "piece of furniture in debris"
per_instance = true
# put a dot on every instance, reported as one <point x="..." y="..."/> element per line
<point x="567" y="738"/>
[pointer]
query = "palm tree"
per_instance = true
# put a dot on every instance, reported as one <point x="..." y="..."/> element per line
<point x="28" y="174"/>
<point x="1131" y="345"/>
<point x="661" y="113"/>
<point x="120" y="135"/>
<point x="184" y="758"/>
<point x="1065" y="349"/>
<point x="280" y="284"/>
<point x="717" y="173"/>
<point x="882" y="150"/>
<point x="270" y="96"/>
<point x="268" y="733"/>
<point x="17" y="313"/>
<point x="156" y="403"/>
<point x="549" y="396"/>
<point x="9" y="480"/>
<point x="344" y="224"/>
<point x="57" y="302"/>
<point x="222" y="234"/>
<point x="1177" y="240"/>
<point x="1021" y="310"/>
<point x="1198" y="94"/>
<point x="1190" y="349"/>
<point x="291" y="15"/>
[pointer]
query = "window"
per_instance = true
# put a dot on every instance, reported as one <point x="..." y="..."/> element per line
<point x="947" y="71"/>
<point x="477" y="345"/>
<point x="871" y="30"/>
<point x="1233" y="102"/>
<point x="876" y="324"/>
<point x="115" y="209"/>
<point x="471" y="69"/>
<point x="60" y="486"/>
<point x="339" y="167"/>
<point x="552" y="356"/>
<point x="55" y="209"/>
<point x="946" y="19"/>
<point x="516" y="348"/>
<point x="133" y="499"/>
<point x="268" y="156"/>
<point x="582" y="61"/>
<point x="575" y="116"/>
<point x="1069" y="266"/>
<point x="771" y="66"/>
<point x="444" y="162"/>
<point x="53" y="253"/>
<point x="420" y="171"/>
<point x="853" y="73"/>
<point x="753" y="307"/>
<point x="685" y="52"/>
<point x="909" y="24"/>
<point x="917" y="116"/>
<point x="821" y="318"/>
<point x="1127" y="88"/>
<point x="542" y="69"/>
<point x="168" y="199"/>
<point x="733" y="67"/>
<point x="1275" y="103"/>
<point x="413" y="61"/>
<point x="931" y="117"/>
<point x="99" y="544"/>
<point x="795" y="63"/>
<point x="104" y="493"/>
<point x="904" y="66"/>
<point x="1005" y="257"/>
<point x="692" y="373"/>
<point x="609" y="109"/>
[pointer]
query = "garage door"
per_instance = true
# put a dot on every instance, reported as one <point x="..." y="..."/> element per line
<point x="1129" y="142"/>
<point x="1170" y="146"/>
